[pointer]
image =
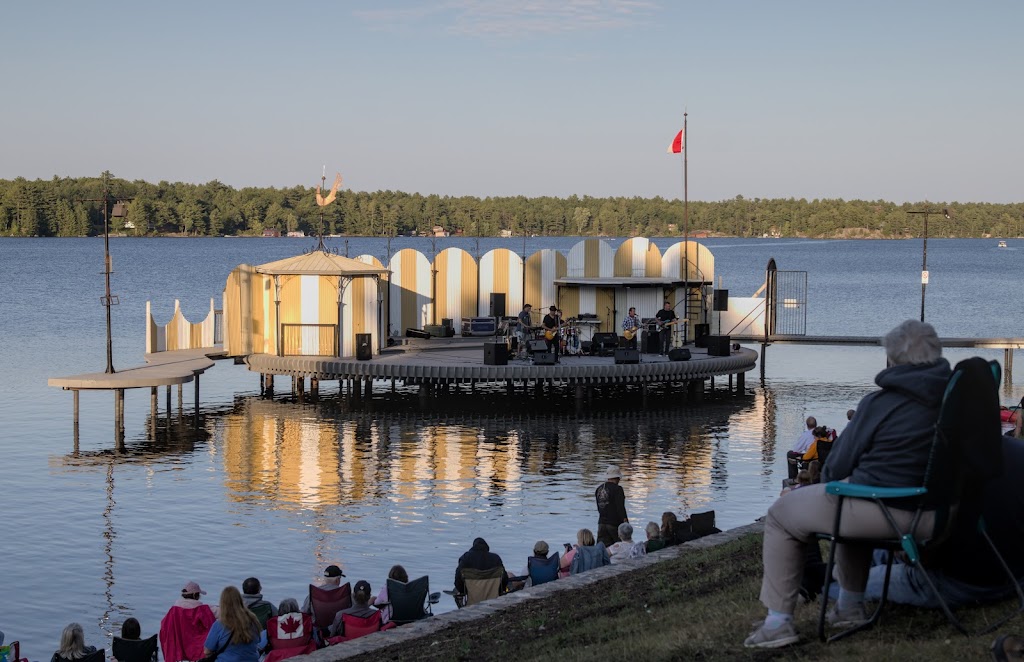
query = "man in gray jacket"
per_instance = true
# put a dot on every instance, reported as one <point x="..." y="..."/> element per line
<point x="887" y="443"/>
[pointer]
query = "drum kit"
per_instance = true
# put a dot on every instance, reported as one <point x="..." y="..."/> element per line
<point x="570" y="337"/>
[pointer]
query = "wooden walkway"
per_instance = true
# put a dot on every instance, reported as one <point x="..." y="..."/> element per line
<point x="161" y="369"/>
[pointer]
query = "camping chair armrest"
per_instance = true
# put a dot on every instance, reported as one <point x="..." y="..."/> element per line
<point x="872" y="491"/>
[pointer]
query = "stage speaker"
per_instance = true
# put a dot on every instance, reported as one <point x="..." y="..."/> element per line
<point x="679" y="354"/>
<point x="435" y="330"/>
<point x="604" y="344"/>
<point x="587" y="346"/>
<point x="448" y="323"/>
<point x="497" y="304"/>
<point x="544" y="358"/>
<point x="652" y="342"/>
<point x="700" y="332"/>
<point x="720" y="300"/>
<point x="627" y="356"/>
<point x="364" y="346"/>
<point x="416" y="333"/>
<point x="536" y="346"/>
<point x="495" y="353"/>
<point x="718" y="345"/>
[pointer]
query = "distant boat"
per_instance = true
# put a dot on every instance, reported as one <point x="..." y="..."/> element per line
<point x="1002" y="244"/>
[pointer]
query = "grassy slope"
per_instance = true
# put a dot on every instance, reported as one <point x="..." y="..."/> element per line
<point x="697" y="607"/>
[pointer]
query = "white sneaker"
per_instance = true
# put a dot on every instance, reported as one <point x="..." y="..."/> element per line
<point x="762" y="637"/>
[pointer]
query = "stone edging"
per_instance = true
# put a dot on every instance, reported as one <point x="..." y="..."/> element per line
<point x="428" y="626"/>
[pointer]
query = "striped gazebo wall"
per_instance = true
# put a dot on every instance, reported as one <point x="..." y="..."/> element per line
<point x="702" y="262"/>
<point x="501" y="271"/>
<point x="409" y="303"/>
<point x="179" y="333"/>
<point x="309" y="300"/>
<point x="248" y="317"/>
<point x="456" y="291"/>
<point x="590" y="258"/>
<point x="542" y="268"/>
<point x="359" y="308"/>
<point x="638" y="257"/>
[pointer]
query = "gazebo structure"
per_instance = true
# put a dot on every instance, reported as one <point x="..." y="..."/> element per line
<point x="312" y="304"/>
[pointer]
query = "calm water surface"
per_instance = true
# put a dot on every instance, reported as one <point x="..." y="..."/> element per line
<point x="277" y="489"/>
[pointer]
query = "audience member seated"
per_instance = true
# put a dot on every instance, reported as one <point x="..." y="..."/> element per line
<point x="479" y="557"/>
<point x="626" y="548"/>
<point x="185" y="626"/>
<point x="331" y="582"/>
<point x="130" y="647"/>
<point x="876" y="448"/>
<point x="589" y="554"/>
<point x="235" y="636"/>
<point x="360" y="608"/>
<point x="290" y="633"/>
<point x="72" y="645"/>
<point x="540" y="568"/>
<point x="399" y="574"/>
<point x="654" y="539"/>
<point x="253" y="599"/>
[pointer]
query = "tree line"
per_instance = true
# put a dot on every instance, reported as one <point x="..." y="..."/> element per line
<point x="71" y="207"/>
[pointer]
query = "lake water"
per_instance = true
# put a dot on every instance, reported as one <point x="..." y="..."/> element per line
<point x="278" y="489"/>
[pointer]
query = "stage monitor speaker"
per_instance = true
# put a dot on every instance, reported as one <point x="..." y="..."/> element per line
<point x="536" y="346"/>
<point x="700" y="332"/>
<point x="587" y="346"/>
<point x="364" y="346"/>
<point x="416" y="333"/>
<point x="544" y="358"/>
<point x="448" y="323"/>
<point x="718" y="345"/>
<point x="497" y="304"/>
<point x="627" y="356"/>
<point x="720" y="300"/>
<point x="679" y="354"/>
<point x="495" y="353"/>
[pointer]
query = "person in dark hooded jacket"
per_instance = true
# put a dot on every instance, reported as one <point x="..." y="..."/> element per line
<point x="887" y="443"/>
<point x="479" y="557"/>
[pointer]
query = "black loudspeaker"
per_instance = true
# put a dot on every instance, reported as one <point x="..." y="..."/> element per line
<point x="416" y="333"/>
<point x="718" y="345"/>
<point x="700" y="332"/>
<point x="720" y="300"/>
<point x="587" y="346"/>
<point x="495" y="353"/>
<point x="364" y="346"/>
<point x="448" y="323"/>
<point x="604" y="344"/>
<point x="627" y="356"/>
<point x="544" y="358"/>
<point x="679" y="354"/>
<point x="652" y="342"/>
<point x="497" y="304"/>
<point x="536" y="346"/>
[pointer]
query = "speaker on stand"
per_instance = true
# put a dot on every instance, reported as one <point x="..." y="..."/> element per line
<point x="497" y="304"/>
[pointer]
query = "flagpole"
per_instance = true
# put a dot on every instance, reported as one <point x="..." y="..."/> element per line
<point x="686" y="229"/>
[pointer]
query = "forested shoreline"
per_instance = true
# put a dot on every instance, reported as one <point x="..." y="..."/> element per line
<point x="70" y="207"/>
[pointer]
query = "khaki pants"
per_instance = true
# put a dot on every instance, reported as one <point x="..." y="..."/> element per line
<point x="792" y="522"/>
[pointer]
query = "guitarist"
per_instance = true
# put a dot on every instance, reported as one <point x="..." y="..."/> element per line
<point x="630" y="328"/>
<point x="666" y="318"/>
<point x="550" y="323"/>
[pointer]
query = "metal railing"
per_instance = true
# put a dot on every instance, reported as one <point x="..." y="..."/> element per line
<point x="309" y="339"/>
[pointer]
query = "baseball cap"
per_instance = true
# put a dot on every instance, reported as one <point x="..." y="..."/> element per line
<point x="540" y="548"/>
<point x="362" y="585"/>
<point x="191" y="588"/>
<point x="333" y="571"/>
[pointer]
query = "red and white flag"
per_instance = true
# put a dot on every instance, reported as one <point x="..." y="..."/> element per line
<point x="677" y="144"/>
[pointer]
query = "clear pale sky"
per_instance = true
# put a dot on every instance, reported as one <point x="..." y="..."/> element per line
<point x="872" y="100"/>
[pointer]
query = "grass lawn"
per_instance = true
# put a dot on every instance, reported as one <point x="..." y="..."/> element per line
<point x="699" y="606"/>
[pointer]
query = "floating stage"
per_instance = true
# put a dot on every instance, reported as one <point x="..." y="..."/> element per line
<point x="442" y="362"/>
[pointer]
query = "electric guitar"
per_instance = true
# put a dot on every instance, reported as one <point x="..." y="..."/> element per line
<point x="664" y="325"/>
<point x="549" y="334"/>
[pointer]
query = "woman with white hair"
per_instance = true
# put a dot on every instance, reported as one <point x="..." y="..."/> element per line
<point x="72" y="645"/>
<point x="626" y="548"/>
<point x="887" y="443"/>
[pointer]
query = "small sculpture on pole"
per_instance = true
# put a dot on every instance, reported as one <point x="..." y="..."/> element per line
<point x="322" y="202"/>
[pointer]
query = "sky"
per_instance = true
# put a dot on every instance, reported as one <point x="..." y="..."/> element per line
<point x="900" y="101"/>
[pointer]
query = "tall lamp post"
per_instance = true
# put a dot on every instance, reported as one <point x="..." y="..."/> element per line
<point x="924" y="250"/>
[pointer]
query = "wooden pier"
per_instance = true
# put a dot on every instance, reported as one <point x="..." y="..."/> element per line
<point x="161" y="369"/>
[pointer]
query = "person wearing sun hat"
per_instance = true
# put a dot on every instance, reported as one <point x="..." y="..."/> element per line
<point x="611" y="506"/>
<point x="184" y="628"/>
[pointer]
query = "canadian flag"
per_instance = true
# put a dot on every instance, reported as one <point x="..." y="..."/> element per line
<point x="677" y="144"/>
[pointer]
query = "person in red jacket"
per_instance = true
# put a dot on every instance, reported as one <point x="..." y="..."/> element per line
<point x="184" y="628"/>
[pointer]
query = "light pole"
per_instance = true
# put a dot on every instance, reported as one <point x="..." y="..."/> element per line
<point x="924" y="250"/>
